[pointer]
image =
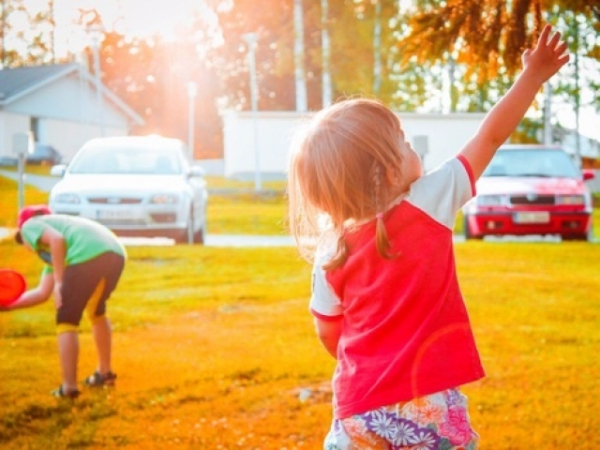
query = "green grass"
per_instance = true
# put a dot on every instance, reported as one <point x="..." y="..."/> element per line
<point x="9" y="200"/>
<point x="212" y="347"/>
<point x="222" y="183"/>
<point x="233" y="212"/>
<point x="259" y="214"/>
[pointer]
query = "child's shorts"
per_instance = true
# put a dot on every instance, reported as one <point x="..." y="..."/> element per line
<point x="434" y="422"/>
<point x="87" y="286"/>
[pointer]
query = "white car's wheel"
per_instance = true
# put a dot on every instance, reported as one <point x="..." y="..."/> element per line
<point x="186" y="236"/>
<point x="199" y="235"/>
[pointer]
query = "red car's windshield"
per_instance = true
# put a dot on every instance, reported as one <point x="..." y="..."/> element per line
<point x="532" y="163"/>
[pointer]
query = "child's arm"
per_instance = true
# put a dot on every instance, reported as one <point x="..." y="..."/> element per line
<point x="56" y="242"/>
<point x="329" y="334"/>
<point x="540" y="64"/>
<point x="34" y="296"/>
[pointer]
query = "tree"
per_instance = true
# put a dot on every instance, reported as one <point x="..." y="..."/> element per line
<point x="28" y="44"/>
<point x="152" y="75"/>
<point x="481" y="42"/>
<point x="325" y="54"/>
<point x="300" y="81"/>
<point x="487" y="35"/>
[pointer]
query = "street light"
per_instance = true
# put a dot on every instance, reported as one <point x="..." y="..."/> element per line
<point x="192" y="92"/>
<point x="251" y="39"/>
<point x="96" y="33"/>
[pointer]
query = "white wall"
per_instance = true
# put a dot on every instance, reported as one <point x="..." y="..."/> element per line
<point x="274" y="131"/>
<point x="68" y="137"/>
<point x="9" y="125"/>
<point x="445" y="134"/>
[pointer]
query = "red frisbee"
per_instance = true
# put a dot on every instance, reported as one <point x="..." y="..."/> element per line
<point x="12" y="286"/>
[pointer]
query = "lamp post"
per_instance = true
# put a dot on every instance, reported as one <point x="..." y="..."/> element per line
<point x="192" y="91"/>
<point x="250" y="39"/>
<point x="96" y="34"/>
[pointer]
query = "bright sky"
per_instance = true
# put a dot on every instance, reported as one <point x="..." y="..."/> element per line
<point x="134" y="17"/>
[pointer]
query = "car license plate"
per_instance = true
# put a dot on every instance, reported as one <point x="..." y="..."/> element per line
<point x="114" y="214"/>
<point x="532" y="217"/>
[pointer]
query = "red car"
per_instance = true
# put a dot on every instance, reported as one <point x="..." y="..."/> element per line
<point x="530" y="189"/>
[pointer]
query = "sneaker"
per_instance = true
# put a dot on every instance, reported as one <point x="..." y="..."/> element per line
<point x="60" y="393"/>
<point x="98" y="379"/>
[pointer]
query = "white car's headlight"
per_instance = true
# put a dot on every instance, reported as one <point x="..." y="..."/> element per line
<point x="164" y="199"/>
<point x="570" y="200"/>
<point x="68" y="198"/>
<point x="490" y="200"/>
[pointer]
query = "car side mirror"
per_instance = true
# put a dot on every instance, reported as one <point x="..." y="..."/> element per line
<point x="58" y="170"/>
<point x="588" y="174"/>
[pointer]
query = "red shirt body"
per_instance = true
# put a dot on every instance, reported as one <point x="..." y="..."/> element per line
<point x="406" y="332"/>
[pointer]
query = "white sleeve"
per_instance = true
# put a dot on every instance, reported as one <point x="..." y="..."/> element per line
<point x="443" y="191"/>
<point x="324" y="303"/>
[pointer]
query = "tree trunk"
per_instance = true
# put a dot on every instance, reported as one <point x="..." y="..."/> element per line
<point x="301" y="101"/>
<point x="325" y="53"/>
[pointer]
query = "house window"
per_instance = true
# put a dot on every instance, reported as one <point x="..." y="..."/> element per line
<point x="34" y="127"/>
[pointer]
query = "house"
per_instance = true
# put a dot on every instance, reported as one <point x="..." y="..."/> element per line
<point x="60" y="106"/>
<point x="436" y="137"/>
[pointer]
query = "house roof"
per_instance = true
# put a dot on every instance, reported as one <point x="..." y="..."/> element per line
<point x="14" y="82"/>
<point x="18" y="82"/>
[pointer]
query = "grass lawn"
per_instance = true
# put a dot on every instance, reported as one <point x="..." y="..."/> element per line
<point x="213" y="346"/>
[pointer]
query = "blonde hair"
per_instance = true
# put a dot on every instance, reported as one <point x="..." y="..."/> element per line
<point x="339" y="171"/>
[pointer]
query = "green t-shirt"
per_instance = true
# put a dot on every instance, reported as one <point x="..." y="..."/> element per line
<point x="84" y="238"/>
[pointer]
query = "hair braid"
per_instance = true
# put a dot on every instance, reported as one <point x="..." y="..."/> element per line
<point x="381" y="238"/>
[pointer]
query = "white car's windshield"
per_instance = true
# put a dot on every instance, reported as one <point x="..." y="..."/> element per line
<point x="126" y="161"/>
<point x="532" y="163"/>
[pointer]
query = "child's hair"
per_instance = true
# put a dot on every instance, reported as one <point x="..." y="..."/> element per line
<point x="342" y="167"/>
<point x="27" y="213"/>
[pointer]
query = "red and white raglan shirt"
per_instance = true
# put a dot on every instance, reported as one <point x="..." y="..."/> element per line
<point x="406" y="332"/>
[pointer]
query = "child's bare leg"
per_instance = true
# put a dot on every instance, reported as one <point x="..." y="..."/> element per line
<point x="68" y="351"/>
<point x="103" y="338"/>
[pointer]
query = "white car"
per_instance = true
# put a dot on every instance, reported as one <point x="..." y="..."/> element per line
<point x="136" y="186"/>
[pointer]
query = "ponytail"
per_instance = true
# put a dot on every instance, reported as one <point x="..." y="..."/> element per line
<point x="381" y="238"/>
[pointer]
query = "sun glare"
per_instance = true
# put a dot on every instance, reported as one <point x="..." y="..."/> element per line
<point x="140" y="18"/>
<point x="143" y="18"/>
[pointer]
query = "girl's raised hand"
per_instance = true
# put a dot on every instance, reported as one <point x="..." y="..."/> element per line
<point x="548" y="56"/>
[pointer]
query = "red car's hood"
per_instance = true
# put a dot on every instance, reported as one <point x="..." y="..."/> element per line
<point x="524" y="185"/>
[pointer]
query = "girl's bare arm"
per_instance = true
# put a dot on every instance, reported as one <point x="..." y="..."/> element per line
<point x="540" y="64"/>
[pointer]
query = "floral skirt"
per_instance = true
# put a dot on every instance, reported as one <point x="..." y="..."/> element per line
<point x="434" y="422"/>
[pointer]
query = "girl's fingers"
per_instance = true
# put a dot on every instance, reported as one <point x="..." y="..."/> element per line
<point x="543" y="39"/>
<point x="554" y="40"/>
<point x="562" y="47"/>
